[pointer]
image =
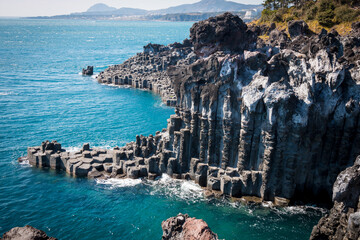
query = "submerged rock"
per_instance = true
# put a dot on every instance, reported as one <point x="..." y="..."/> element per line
<point x="26" y="233"/>
<point x="184" y="227"/>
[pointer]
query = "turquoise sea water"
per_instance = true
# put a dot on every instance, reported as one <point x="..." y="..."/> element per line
<point x="42" y="96"/>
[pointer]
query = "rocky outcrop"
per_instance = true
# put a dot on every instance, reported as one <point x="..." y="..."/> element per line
<point x="298" y="28"/>
<point x="88" y="71"/>
<point x="179" y="227"/>
<point x="87" y="162"/>
<point x="147" y="70"/>
<point x="225" y="32"/>
<point x="184" y="227"/>
<point x="343" y="221"/>
<point x="26" y="233"/>
<point x="277" y="120"/>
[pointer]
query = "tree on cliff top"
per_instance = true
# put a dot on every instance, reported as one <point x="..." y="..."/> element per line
<point x="326" y="12"/>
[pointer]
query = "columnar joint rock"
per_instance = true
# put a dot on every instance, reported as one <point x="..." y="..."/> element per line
<point x="277" y="120"/>
<point x="147" y="70"/>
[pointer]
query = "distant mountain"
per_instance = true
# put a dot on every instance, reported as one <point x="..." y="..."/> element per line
<point x="111" y="11"/>
<point x="186" y="12"/>
<point x="130" y="11"/>
<point x="100" y="7"/>
<point x="208" y="6"/>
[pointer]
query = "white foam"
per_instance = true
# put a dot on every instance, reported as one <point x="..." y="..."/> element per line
<point x="303" y="209"/>
<point x="267" y="204"/>
<point x="104" y="146"/>
<point x="72" y="149"/>
<point x="6" y="93"/>
<point x="295" y="210"/>
<point x="190" y="187"/>
<point x="25" y="163"/>
<point x="180" y="189"/>
<point x="119" y="183"/>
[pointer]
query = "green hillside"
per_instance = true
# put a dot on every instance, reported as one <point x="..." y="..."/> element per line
<point x="328" y="14"/>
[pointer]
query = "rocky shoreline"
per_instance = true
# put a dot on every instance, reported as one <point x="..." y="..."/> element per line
<point x="147" y="70"/>
<point x="277" y="120"/>
<point x="174" y="228"/>
<point x="343" y="221"/>
<point x="26" y="233"/>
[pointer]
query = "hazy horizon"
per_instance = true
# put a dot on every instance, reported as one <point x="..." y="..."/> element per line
<point x="27" y="8"/>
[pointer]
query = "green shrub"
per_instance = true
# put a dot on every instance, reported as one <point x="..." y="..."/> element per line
<point x="288" y="19"/>
<point x="326" y="18"/>
<point x="311" y="13"/>
<point x="345" y="14"/>
<point x="326" y="13"/>
<point x="277" y="17"/>
<point x="267" y="15"/>
<point x="326" y="5"/>
<point x="297" y="14"/>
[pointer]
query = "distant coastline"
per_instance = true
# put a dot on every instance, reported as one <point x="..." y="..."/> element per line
<point x="187" y="12"/>
<point x="179" y="17"/>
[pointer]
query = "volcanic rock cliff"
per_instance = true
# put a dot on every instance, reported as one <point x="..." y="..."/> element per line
<point x="276" y="119"/>
<point x="343" y="221"/>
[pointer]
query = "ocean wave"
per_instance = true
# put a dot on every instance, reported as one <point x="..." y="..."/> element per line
<point x="76" y="149"/>
<point x="298" y="210"/>
<point x="119" y="183"/>
<point x="191" y="192"/>
<point x="25" y="163"/>
<point x="6" y="93"/>
<point x="179" y="189"/>
<point x="72" y="149"/>
<point x="303" y="209"/>
<point x="161" y="105"/>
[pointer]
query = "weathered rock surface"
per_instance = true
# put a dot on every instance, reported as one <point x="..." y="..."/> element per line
<point x="297" y="28"/>
<point x="88" y="71"/>
<point x="26" y="233"/>
<point x="184" y="227"/>
<point x="225" y="32"/>
<point x="276" y="120"/>
<point x="343" y="221"/>
<point x="147" y="70"/>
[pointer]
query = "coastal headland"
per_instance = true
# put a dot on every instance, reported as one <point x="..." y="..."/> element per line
<point x="277" y="119"/>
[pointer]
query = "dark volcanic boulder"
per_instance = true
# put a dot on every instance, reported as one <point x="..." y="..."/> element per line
<point x="278" y="38"/>
<point x="184" y="227"/>
<point x="154" y="48"/>
<point x="223" y="32"/>
<point x="88" y="71"/>
<point x="26" y="233"/>
<point x="297" y="28"/>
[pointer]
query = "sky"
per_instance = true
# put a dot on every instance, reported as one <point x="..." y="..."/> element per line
<point x="28" y="8"/>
